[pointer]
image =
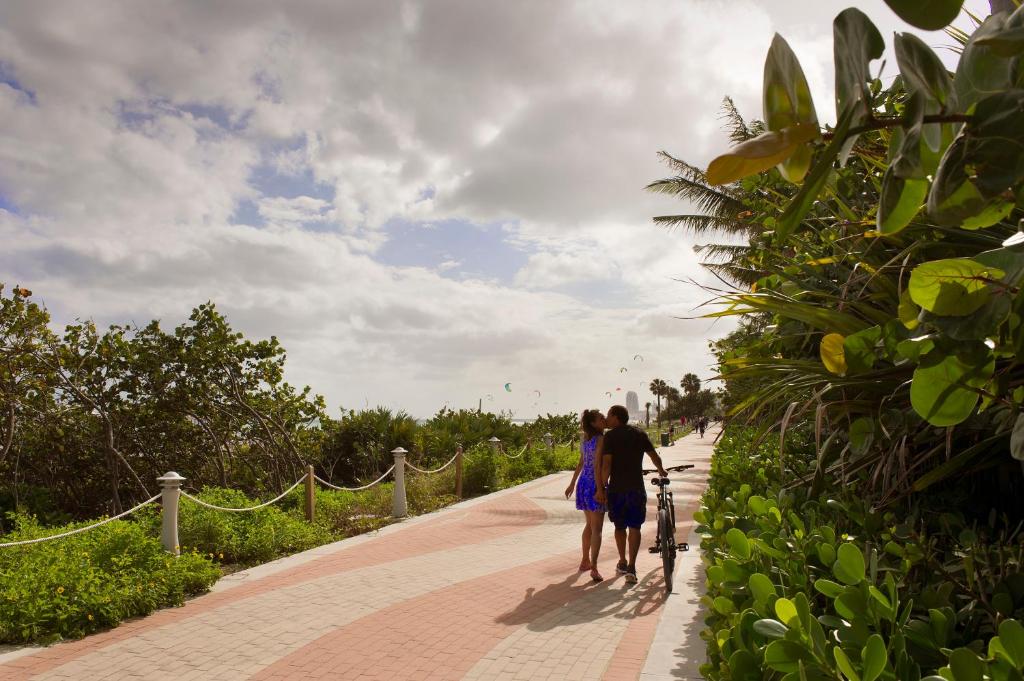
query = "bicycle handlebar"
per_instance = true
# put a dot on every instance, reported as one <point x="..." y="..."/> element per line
<point x="681" y="467"/>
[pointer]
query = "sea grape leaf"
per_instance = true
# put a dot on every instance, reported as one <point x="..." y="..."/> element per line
<point x="856" y="43"/>
<point x="931" y="15"/>
<point x="862" y="434"/>
<point x="980" y="71"/>
<point x="952" y="287"/>
<point x="944" y="388"/>
<point x="760" y="153"/>
<point x="788" y="103"/>
<point x="859" y="349"/>
<point x="738" y="543"/>
<point x="832" y="353"/>
<point x="1008" y="40"/>
<point x="900" y="202"/>
<point x="921" y="68"/>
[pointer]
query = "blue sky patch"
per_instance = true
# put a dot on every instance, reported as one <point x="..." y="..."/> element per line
<point x="471" y="251"/>
<point x="8" y="78"/>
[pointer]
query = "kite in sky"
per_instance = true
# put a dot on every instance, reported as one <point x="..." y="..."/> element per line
<point x="638" y="357"/>
<point x="623" y="370"/>
<point x="508" y="387"/>
<point x="537" y="392"/>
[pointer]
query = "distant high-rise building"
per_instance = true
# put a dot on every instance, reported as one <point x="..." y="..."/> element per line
<point x="633" y="407"/>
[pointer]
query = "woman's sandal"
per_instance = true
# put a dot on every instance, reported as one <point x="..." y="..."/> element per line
<point x="595" y="575"/>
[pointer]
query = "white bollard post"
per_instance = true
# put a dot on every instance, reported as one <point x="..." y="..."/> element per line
<point x="549" y="440"/>
<point x="170" y="484"/>
<point x="398" y="506"/>
<point x="495" y="444"/>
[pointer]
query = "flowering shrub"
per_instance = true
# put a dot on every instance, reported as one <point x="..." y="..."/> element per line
<point x="74" y="586"/>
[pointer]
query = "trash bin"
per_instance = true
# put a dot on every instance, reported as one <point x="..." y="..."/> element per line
<point x="664" y="440"/>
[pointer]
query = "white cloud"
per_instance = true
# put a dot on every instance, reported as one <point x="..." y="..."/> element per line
<point x="300" y="209"/>
<point x="148" y="127"/>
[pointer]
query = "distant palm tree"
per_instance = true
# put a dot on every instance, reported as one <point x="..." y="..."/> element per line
<point x="659" y="388"/>
<point x="647" y="406"/>
<point x="690" y="384"/>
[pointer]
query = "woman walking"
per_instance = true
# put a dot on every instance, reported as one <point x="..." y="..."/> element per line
<point x="583" y="482"/>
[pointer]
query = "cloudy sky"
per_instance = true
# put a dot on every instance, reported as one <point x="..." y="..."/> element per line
<point x="422" y="200"/>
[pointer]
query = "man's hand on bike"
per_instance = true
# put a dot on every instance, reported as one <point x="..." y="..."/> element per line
<point x="662" y="472"/>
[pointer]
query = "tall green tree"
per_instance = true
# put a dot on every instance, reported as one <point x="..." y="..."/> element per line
<point x="659" y="388"/>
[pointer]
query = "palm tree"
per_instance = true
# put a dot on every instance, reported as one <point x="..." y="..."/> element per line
<point x="647" y="406"/>
<point x="690" y="384"/>
<point x="721" y="211"/>
<point x="659" y="388"/>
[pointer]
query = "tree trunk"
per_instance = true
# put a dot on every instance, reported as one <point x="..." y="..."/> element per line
<point x="9" y="438"/>
<point x="115" y="495"/>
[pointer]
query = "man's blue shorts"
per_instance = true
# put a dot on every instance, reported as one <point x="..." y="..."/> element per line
<point x="627" y="508"/>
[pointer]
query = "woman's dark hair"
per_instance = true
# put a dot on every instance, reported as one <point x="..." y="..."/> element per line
<point x="586" y="423"/>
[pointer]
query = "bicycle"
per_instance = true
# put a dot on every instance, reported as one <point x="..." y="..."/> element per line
<point x="665" y="542"/>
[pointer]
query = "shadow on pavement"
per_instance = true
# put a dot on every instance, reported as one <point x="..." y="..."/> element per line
<point x="586" y="601"/>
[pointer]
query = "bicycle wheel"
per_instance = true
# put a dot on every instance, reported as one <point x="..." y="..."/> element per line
<point x="668" y="554"/>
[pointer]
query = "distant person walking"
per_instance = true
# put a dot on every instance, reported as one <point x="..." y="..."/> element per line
<point x="702" y="425"/>
<point x="672" y="434"/>
<point x="622" y="462"/>
<point x="585" y="486"/>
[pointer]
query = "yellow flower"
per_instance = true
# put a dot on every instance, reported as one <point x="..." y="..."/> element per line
<point x="221" y="556"/>
<point x="90" y="617"/>
<point x="60" y="589"/>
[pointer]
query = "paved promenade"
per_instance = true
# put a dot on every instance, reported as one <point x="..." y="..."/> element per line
<point x="485" y="589"/>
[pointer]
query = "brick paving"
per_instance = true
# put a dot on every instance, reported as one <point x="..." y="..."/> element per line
<point x="486" y="589"/>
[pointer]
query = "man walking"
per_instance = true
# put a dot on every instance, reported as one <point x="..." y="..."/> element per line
<point x="623" y="460"/>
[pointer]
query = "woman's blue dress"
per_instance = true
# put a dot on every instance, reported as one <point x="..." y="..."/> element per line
<point x="585" y="485"/>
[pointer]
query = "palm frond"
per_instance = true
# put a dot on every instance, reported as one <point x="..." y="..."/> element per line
<point x="705" y="198"/>
<point x="683" y="168"/>
<point x="737" y="127"/>
<point x="733" y="274"/>
<point x="731" y="252"/>
<point x="702" y="224"/>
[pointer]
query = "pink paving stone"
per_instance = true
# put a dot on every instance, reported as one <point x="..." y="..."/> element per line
<point x="407" y="636"/>
<point x="508" y="514"/>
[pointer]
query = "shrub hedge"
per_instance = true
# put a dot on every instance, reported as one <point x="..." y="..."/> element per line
<point x="828" y="588"/>
<point x="74" y="586"/>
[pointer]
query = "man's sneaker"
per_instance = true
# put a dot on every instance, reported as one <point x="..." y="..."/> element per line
<point x="621" y="568"/>
<point x="631" y="576"/>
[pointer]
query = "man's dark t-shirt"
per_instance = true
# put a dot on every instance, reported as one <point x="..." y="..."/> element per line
<point x="627" y="446"/>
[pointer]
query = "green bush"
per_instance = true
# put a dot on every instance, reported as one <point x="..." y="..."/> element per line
<point x="830" y="585"/>
<point x="247" y="538"/>
<point x="479" y="471"/>
<point x="74" y="586"/>
<point x="77" y="585"/>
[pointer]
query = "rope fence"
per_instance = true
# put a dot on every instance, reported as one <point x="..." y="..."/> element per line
<point x="279" y="497"/>
<point x="39" y="540"/>
<point x="353" y="489"/>
<point x="436" y="470"/>
<point x="172" y="492"/>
